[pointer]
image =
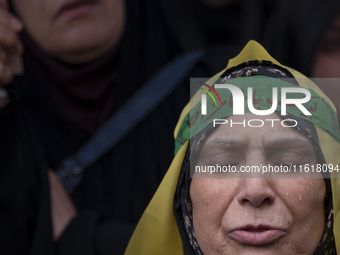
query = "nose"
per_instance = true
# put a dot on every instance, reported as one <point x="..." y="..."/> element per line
<point x="255" y="192"/>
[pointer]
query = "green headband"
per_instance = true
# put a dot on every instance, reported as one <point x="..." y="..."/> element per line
<point x="322" y="114"/>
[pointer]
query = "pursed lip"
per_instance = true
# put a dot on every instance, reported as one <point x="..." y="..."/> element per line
<point x="256" y="235"/>
<point x="70" y="5"/>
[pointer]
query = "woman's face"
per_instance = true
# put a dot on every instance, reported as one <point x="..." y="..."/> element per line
<point x="257" y="215"/>
<point x="327" y="62"/>
<point x="75" y="31"/>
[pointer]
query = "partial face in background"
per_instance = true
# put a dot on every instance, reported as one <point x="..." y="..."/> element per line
<point x="257" y="215"/>
<point x="327" y="62"/>
<point x="75" y="31"/>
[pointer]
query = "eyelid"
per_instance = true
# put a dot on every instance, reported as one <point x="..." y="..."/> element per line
<point x="294" y="150"/>
<point x="292" y="156"/>
<point x="288" y="164"/>
<point x="232" y="161"/>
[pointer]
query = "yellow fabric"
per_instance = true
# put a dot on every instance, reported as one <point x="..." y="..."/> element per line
<point x="157" y="233"/>
<point x="196" y="98"/>
<point x="252" y="51"/>
<point x="309" y="85"/>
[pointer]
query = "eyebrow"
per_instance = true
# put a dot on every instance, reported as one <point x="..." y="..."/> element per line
<point x="225" y="142"/>
<point x="290" y="141"/>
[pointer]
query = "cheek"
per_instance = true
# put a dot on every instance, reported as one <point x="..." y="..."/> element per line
<point x="35" y="22"/>
<point x="305" y="195"/>
<point x="305" y="201"/>
<point x="27" y="10"/>
<point x="205" y="196"/>
<point x="210" y="201"/>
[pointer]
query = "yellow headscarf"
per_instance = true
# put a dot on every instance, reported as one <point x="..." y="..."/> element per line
<point x="157" y="233"/>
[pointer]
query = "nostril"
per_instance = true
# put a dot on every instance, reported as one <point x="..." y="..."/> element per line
<point x="258" y="200"/>
<point x="268" y="200"/>
<point x="256" y="192"/>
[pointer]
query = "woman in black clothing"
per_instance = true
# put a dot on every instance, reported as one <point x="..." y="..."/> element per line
<point x="82" y="60"/>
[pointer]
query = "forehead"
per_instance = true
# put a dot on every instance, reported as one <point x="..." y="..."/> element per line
<point x="245" y="129"/>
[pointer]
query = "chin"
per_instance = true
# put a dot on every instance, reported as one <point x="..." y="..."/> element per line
<point x="82" y="46"/>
